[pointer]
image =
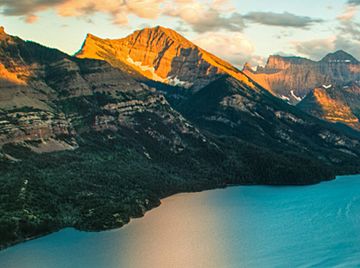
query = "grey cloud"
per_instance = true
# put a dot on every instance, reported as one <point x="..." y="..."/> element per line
<point x="285" y="19"/>
<point x="354" y="2"/>
<point x="214" y="21"/>
<point x="211" y="20"/>
<point x="315" y="49"/>
<point x="351" y="29"/>
<point x="348" y="37"/>
<point x="26" y="7"/>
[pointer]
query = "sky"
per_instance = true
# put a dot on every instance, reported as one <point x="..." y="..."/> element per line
<point x="237" y="30"/>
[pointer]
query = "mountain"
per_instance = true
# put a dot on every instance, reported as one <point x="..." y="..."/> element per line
<point x="338" y="104"/>
<point x="162" y="55"/>
<point x="292" y="78"/>
<point x="84" y="144"/>
<point x="340" y="56"/>
<point x="228" y="108"/>
<point x="87" y="143"/>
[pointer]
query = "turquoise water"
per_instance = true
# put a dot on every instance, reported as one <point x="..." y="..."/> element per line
<point x="255" y="226"/>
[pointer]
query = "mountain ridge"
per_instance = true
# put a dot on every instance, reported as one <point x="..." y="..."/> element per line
<point x="170" y="61"/>
<point x="292" y="78"/>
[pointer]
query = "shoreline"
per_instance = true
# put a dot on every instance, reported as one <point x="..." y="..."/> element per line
<point x="5" y="247"/>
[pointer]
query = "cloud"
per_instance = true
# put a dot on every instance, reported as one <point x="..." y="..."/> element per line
<point x="354" y="2"/>
<point x="349" y="13"/>
<point x="201" y="16"/>
<point x="31" y="19"/>
<point x="348" y="26"/>
<point x="318" y="48"/>
<point x="205" y="16"/>
<point x="211" y="20"/>
<point x="238" y="49"/>
<point x="26" y="7"/>
<point x="285" y="19"/>
<point x="315" y="49"/>
<point x="350" y="46"/>
<point x="350" y="29"/>
<point x="346" y="36"/>
<point x="119" y="10"/>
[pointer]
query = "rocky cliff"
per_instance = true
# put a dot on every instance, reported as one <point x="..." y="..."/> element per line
<point x="292" y="78"/>
<point x="162" y="55"/>
<point x="337" y="104"/>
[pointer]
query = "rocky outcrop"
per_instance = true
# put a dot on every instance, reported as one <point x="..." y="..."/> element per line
<point x="162" y="55"/>
<point x="33" y="126"/>
<point x="126" y="114"/>
<point x="292" y="78"/>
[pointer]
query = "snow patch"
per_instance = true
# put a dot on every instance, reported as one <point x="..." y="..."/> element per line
<point x="174" y="81"/>
<point x="145" y="68"/>
<point x="177" y="82"/>
<point x="284" y="98"/>
<point x="340" y="61"/>
<point x="296" y="97"/>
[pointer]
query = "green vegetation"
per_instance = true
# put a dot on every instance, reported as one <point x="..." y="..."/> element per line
<point x="110" y="179"/>
<point x="99" y="186"/>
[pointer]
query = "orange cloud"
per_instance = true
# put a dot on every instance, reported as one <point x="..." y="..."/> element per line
<point x="119" y="10"/>
<point x="349" y="13"/>
<point x="31" y="18"/>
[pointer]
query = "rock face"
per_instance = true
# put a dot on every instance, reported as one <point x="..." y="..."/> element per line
<point x="46" y="94"/>
<point x="337" y="104"/>
<point x="162" y="55"/>
<point x="292" y="78"/>
<point x="17" y="126"/>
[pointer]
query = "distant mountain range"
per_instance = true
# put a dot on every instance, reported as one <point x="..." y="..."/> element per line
<point x="300" y="81"/>
<point x="92" y="140"/>
<point x="292" y="78"/>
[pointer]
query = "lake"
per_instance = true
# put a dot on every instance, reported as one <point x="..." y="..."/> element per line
<point x="243" y="226"/>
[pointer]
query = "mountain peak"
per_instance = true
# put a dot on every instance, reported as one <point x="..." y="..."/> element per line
<point x="160" y="28"/>
<point x="91" y="36"/>
<point x="159" y="33"/>
<point x="339" y="56"/>
<point x="3" y="34"/>
<point x="163" y="55"/>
